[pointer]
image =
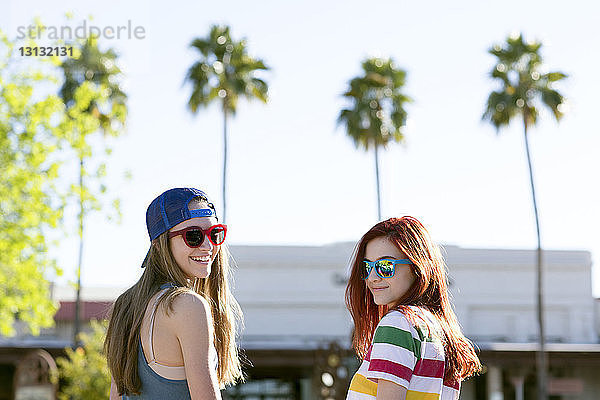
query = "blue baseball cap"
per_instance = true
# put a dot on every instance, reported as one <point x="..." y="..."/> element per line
<point x="171" y="208"/>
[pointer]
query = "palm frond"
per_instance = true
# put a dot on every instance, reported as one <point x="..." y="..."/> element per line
<point x="224" y="67"/>
<point x="375" y="115"/>
<point x="522" y="86"/>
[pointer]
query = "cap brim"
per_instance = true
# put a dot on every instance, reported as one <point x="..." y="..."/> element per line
<point x="147" y="255"/>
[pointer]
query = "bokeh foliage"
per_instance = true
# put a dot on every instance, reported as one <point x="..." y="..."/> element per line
<point x="41" y="134"/>
<point x="83" y="372"/>
<point x="29" y="200"/>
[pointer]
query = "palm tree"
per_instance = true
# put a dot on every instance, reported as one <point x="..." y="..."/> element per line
<point x="523" y="89"/>
<point x="99" y="68"/>
<point x="376" y="114"/>
<point x="224" y="72"/>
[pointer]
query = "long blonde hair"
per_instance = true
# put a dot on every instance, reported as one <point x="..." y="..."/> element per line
<point x="123" y="335"/>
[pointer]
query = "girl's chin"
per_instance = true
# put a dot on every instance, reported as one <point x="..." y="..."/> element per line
<point x="379" y="302"/>
<point x="200" y="274"/>
<point x="203" y="275"/>
<point x="384" y="302"/>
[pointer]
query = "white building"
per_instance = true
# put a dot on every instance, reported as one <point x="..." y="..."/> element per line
<point x="494" y="295"/>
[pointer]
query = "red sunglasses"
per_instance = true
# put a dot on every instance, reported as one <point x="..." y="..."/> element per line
<point x="193" y="236"/>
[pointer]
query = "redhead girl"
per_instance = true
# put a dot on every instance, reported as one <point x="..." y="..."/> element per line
<point x="406" y="332"/>
<point x="172" y="334"/>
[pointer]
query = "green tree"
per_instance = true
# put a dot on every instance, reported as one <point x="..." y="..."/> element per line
<point x="30" y="203"/>
<point x="84" y="372"/>
<point x="224" y="73"/>
<point x="376" y="114"/>
<point x="524" y="88"/>
<point x="95" y="103"/>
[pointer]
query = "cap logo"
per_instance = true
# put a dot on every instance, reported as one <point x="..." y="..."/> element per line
<point x="202" y="212"/>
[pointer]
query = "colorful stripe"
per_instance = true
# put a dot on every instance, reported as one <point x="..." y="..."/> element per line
<point x="413" y="395"/>
<point x="452" y="384"/>
<point x="402" y="354"/>
<point x="390" y="367"/>
<point x="430" y="368"/>
<point x="397" y="337"/>
<point x="363" y="385"/>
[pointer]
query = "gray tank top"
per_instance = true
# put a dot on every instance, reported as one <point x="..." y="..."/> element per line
<point x="156" y="387"/>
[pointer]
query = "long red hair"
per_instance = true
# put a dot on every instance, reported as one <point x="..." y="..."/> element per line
<point x="430" y="291"/>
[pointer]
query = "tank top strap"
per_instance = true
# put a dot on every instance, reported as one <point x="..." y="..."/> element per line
<point x="152" y="317"/>
<point x="167" y="285"/>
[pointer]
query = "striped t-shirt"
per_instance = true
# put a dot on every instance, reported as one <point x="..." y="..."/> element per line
<point x="408" y="354"/>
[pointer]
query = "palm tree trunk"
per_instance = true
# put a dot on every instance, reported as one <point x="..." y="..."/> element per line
<point x="77" y="321"/>
<point x="377" y="180"/>
<point x="224" y="160"/>
<point x="541" y="358"/>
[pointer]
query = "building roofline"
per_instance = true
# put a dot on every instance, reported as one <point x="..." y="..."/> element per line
<point x="532" y="347"/>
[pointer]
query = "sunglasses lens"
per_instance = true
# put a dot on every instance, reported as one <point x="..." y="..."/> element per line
<point x="385" y="268"/>
<point x="194" y="237"/>
<point x="366" y="270"/>
<point x="217" y="235"/>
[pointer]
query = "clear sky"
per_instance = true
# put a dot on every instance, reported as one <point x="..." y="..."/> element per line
<point x="294" y="176"/>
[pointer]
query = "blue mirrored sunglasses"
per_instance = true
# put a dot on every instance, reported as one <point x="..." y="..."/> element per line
<point x="384" y="268"/>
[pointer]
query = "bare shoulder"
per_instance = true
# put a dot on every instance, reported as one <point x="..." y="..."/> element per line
<point x="191" y="309"/>
<point x="190" y="301"/>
